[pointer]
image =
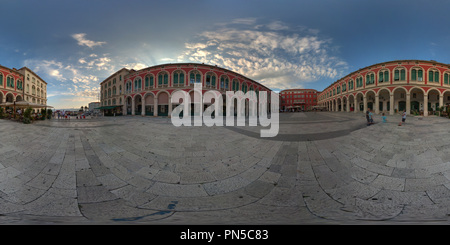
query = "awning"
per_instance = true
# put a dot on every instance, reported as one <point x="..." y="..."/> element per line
<point x="107" y="107"/>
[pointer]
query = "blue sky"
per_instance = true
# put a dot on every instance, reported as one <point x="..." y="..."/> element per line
<point x="74" y="45"/>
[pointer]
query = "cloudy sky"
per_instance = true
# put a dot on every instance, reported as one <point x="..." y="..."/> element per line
<point x="74" y="45"/>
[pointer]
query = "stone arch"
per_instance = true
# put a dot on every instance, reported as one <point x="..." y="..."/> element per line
<point x="163" y="98"/>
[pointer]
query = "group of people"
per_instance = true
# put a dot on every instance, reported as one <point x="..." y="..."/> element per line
<point x="369" y="117"/>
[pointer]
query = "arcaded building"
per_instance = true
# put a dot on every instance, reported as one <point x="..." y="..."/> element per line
<point x="298" y="99"/>
<point x="417" y="86"/>
<point x="148" y="91"/>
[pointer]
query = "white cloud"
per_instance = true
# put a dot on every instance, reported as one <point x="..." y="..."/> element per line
<point x="82" y="41"/>
<point x="274" y="55"/>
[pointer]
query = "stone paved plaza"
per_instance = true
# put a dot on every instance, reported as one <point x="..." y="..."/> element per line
<point x="322" y="168"/>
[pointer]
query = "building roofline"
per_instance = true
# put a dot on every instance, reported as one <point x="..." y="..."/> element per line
<point x="382" y="63"/>
<point x="114" y="74"/>
<point x="32" y="72"/>
<point x="202" y="64"/>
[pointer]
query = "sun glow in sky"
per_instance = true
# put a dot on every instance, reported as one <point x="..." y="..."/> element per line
<point x="74" y="45"/>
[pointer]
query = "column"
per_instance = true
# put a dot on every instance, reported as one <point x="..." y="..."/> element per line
<point x="132" y="105"/>
<point x="377" y="104"/>
<point x="391" y="104"/>
<point x="355" y="104"/>
<point x="365" y="103"/>
<point x="408" y="103"/>
<point x="142" y="106"/>
<point x="441" y="100"/>
<point x="155" y="106"/>
<point x="425" y="104"/>
<point x="170" y="106"/>
<point x="348" y="105"/>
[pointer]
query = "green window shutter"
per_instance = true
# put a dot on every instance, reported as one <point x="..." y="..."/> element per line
<point x="166" y="79"/>
<point x="436" y="76"/>
<point x="380" y="77"/>
<point x="197" y="78"/>
<point x="413" y="75"/>
<point x="396" y="75"/>
<point x="146" y="82"/>
<point x="175" y="79"/>
<point x="420" y="75"/>
<point x="372" y="78"/>
<point x="151" y="81"/>
<point x="403" y="75"/>
<point x="1" y="79"/>
<point x="430" y="76"/>
<point x="213" y="81"/>
<point x="386" y="76"/>
<point x="160" y="79"/>
<point x="192" y="78"/>
<point x="445" y="78"/>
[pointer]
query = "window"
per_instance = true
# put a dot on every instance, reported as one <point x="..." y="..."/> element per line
<point x="178" y="78"/>
<point x="10" y="82"/>
<point x="433" y="76"/>
<point x="344" y="87"/>
<point x="370" y="79"/>
<point x="446" y="82"/>
<point x="244" y="87"/>
<point x="163" y="79"/>
<point x="350" y="85"/>
<point x="359" y="82"/>
<point x="149" y="81"/>
<point x="224" y="82"/>
<point x="210" y="80"/>
<point x="1" y="79"/>
<point x="338" y="90"/>
<point x="235" y="85"/>
<point x="399" y="74"/>
<point x="137" y="84"/>
<point x="195" y="77"/>
<point x="114" y="90"/>
<point x="417" y="74"/>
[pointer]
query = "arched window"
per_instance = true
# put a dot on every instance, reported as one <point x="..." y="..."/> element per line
<point x="120" y="89"/>
<point x="400" y="74"/>
<point x="114" y="90"/>
<point x="149" y="81"/>
<point x="338" y="90"/>
<point x="1" y="79"/>
<point x="194" y="77"/>
<point x="359" y="82"/>
<point x="350" y="84"/>
<point x="163" y="79"/>
<point x="344" y="87"/>
<point x="109" y="92"/>
<point x="383" y="76"/>
<point x="19" y="84"/>
<point x="224" y="82"/>
<point x="235" y="85"/>
<point x="33" y="90"/>
<point x="417" y="74"/>
<point x="10" y="82"/>
<point x="137" y="84"/>
<point x="446" y="78"/>
<point x="370" y="78"/>
<point x="178" y="78"/>
<point x="128" y="87"/>
<point x="433" y="75"/>
<point x="244" y="87"/>
<point x="210" y="80"/>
